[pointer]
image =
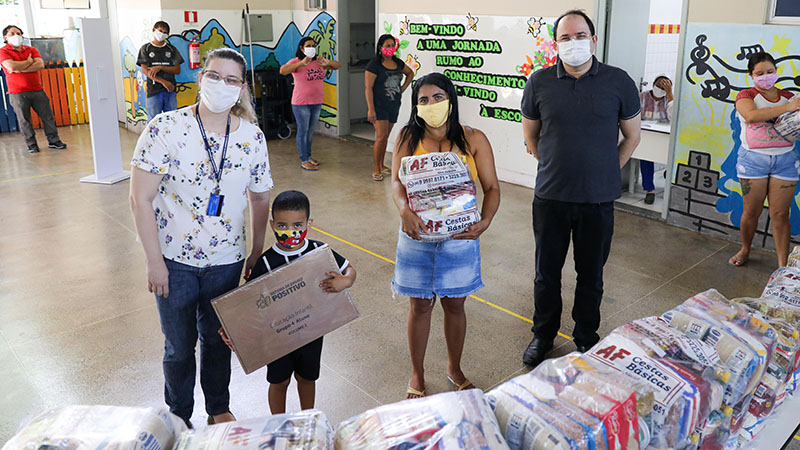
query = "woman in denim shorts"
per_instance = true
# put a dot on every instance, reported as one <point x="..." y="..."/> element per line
<point x="451" y="269"/>
<point x="767" y="165"/>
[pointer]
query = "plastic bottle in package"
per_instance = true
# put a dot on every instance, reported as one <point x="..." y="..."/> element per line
<point x="441" y="192"/>
<point x="306" y="430"/>
<point x="94" y="427"/>
<point x="448" y="421"/>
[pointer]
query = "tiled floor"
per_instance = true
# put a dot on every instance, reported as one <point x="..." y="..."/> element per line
<point x="78" y="325"/>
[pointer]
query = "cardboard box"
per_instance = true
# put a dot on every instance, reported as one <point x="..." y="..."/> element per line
<point x="282" y="311"/>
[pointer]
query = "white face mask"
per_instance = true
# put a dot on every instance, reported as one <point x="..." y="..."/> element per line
<point x="160" y="37"/>
<point x="575" y="52"/>
<point x="310" y="51"/>
<point x="218" y="96"/>
<point x="15" y="40"/>
<point x="658" y="92"/>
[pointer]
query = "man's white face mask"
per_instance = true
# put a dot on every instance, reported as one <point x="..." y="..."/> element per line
<point x="15" y="40"/>
<point x="575" y="51"/>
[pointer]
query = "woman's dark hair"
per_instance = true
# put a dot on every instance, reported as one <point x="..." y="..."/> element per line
<point x="302" y="43"/>
<point x="573" y="12"/>
<point x="414" y="130"/>
<point x="759" y="57"/>
<point x="381" y="40"/>
<point x="291" y="201"/>
<point x="660" y="77"/>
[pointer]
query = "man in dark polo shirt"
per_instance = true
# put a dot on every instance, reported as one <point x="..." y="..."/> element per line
<point x="22" y="64"/>
<point x="572" y="115"/>
<point x="160" y="61"/>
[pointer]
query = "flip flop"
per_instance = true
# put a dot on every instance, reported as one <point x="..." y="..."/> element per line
<point x="386" y="171"/>
<point x="737" y="262"/>
<point x="411" y="391"/>
<point x="462" y="386"/>
<point x="313" y="161"/>
<point x="377" y="177"/>
<point x="308" y="166"/>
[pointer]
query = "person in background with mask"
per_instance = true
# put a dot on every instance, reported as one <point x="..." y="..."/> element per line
<point x="196" y="168"/>
<point x="656" y="105"/>
<point x="160" y="61"/>
<point x="22" y="64"/>
<point x="384" y="85"/>
<point x="572" y="115"/>
<point x="450" y="270"/>
<point x="767" y="165"/>
<point x="308" y="71"/>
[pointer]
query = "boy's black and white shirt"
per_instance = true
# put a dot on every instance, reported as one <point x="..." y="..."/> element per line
<point x="275" y="257"/>
<point x="152" y="55"/>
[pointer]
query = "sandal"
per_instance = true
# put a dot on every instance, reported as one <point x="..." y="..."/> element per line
<point x="463" y="386"/>
<point x="736" y="261"/>
<point x="313" y="161"/>
<point x="308" y="166"/>
<point x="377" y="177"/>
<point x="412" y="393"/>
<point x="386" y="171"/>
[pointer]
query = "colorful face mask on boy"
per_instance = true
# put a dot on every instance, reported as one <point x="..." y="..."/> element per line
<point x="292" y="238"/>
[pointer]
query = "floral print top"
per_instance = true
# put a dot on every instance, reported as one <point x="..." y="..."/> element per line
<point x="173" y="146"/>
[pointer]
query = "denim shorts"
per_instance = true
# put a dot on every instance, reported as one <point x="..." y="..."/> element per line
<point x="753" y="165"/>
<point x="445" y="269"/>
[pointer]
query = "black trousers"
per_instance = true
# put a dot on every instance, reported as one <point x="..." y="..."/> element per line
<point x="591" y="226"/>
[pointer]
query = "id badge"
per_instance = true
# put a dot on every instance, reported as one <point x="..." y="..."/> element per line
<point x="215" y="205"/>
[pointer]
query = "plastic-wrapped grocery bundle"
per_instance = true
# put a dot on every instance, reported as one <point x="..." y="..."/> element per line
<point x="94" y="427"/>
<point x="784" y="285"/>
<point x="788" y="125"/>
<point x="441" y="192"/>
<point x="307" y="430"/>
<point x="794" y="257"/>
<point x="567" y="404"/>
<point x="448" y="421"/>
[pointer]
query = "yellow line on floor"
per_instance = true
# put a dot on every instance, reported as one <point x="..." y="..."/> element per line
<point x="797" y="436"/>
<point x="10" y="180"/>
<point x="498" y="307"/>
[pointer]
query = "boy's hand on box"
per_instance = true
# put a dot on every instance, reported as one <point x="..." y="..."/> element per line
<point x="336" y="283"/>
<point x="226" y="339"/>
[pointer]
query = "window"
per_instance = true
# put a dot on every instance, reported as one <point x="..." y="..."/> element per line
<point x="315" y="5"/>
<point x="784" y="12"/>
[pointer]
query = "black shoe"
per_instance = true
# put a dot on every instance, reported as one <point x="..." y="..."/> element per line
<point x="58" y="145"/>
<point x="582" y="348"/>
<point x="33" y="149"/>
<point x="535" y="353"/>
<point x="188" y="423"/>
<point x="650" y="198"/>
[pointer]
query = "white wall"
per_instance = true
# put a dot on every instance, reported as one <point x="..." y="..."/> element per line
<point x="662" y="49"/>
<point x="52" y="22"/>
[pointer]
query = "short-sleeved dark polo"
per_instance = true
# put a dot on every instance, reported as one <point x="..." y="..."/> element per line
<point x="153" y="55"/>
<point x="578" y="153"/>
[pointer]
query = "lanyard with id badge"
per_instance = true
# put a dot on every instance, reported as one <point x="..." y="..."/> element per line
<point x="215" y="200"/>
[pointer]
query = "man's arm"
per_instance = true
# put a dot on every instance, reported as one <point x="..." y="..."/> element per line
<point x="631" y="135"/>
<point x="16" y="66"/>
<point x="37" y="65"/>
<point x="175" y="70"/>
<point x="531" y="130"/>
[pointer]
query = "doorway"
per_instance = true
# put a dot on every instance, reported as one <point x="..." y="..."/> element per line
<point x="358" y="21"/>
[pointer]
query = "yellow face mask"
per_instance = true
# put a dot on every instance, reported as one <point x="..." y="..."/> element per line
<point x="434" y="115"/>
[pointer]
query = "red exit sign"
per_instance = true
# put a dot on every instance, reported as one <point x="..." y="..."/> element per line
<point x="190" y="16"/>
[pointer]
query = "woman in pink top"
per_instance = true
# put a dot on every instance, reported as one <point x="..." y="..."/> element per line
<point x="308" y="71"/>
<point x="767" y="165"/>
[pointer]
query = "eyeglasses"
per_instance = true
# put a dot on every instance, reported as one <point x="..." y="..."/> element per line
<point x="579" y="37"/>
<point x="230" y="81"/>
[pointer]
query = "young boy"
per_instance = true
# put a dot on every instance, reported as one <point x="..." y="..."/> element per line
<point x="290" y="222"/>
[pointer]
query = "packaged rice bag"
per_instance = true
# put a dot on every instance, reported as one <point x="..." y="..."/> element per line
<point x="306" y="430"/>
<point x="441" y="192"/>
<point x="448" y="421"/>
<point x="95" y="427"/>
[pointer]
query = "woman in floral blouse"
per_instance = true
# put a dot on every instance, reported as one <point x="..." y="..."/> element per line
<point x="194" y="170"/>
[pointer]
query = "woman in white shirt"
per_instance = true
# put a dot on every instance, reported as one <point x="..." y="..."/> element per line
<point x="194" y="171"/>
<point x="767" y="165"/>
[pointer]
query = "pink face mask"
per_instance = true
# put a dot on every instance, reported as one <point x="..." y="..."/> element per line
<point x="389" y="51"/>
<point x="766" y="81"/>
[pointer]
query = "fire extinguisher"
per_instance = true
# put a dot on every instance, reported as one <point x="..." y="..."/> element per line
<point x="194" y="54"/>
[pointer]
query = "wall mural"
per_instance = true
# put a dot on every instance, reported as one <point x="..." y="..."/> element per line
<point x="489" y="60"/>
<point x="706" y="195"/>
<point x="212" y="36"/>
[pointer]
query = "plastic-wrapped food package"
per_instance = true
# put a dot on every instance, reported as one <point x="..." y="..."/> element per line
<point x="95" y="427"/>
<point x="307" y="430"/>
<point x="788" y="125"/>
<point x="794" y="257"/>
<point x="676" y="413"/>
<point x="441" y="192"/>
<point x="452" y="420"/>
<point x="784" y="285"/>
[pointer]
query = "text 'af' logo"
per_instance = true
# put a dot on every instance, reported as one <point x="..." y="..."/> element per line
<point x="433" y="226"/>
<point x="612" y="353"/>
<point x="418" y="164"/>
